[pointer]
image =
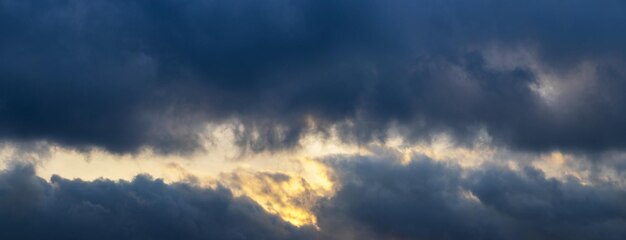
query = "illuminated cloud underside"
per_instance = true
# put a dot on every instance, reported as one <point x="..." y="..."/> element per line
<point x="292" y="183"/>
<point x="312" y="119"/>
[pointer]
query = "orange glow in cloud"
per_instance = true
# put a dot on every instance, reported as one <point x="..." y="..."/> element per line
<point x="286" y="183"/>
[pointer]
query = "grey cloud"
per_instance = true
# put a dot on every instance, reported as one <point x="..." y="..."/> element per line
<point x="380" y="199"/>
<point x="377" y="198"/>
<point x="144" y="208"/>
<point x="122" y="75"/>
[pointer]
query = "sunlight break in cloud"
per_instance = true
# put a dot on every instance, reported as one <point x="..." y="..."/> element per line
<point x="312" y="119"/>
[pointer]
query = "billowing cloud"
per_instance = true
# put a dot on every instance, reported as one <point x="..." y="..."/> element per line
<point x="383" y="199"/>
<point x="144" y="208"/>
<point x="122" y="75"/>
<point x="378" y="197"/>
<point x="422" y="119"/>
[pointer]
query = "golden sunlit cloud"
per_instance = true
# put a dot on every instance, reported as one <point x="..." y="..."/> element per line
<point x="291" y="197"/>
<point x="286" y="183"/>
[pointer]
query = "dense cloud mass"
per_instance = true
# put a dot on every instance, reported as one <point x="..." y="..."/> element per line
<point x="31" y="208"/>
<point x="380" y="199"/>
<point x="543" y="79"/>
<point x="122" y="75"/>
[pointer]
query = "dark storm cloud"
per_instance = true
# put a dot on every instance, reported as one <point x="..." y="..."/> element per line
<point x="126" y="74"/>
<point x="380" y="199"/>
<point x="31" y="208"/>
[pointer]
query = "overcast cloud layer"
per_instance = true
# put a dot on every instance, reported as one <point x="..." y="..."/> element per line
<point x="382" y="199"/>
<point x="526" y="77"/>
<point x="31" y="208"/>
<point x="126" y="74"/>
<point x="378" y="199"/>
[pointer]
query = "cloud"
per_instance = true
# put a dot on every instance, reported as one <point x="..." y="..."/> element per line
<point x="290" y="197"/>
<point x="378" y="197"/>
<point x="123" y="75"/>
<point x="382" y="199"/>
<point x="144" y="208"/>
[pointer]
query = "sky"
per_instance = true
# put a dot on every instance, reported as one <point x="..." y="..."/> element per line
<point x="312" y="119"/>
